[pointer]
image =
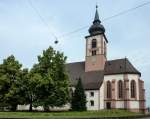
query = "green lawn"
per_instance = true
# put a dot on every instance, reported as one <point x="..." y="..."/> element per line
<point x="103" y="113"/>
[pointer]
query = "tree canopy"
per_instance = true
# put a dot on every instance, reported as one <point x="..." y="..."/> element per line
<point x="53" y="90"/>
<point x="46" y="84"/>
<point x="10" y="78"/>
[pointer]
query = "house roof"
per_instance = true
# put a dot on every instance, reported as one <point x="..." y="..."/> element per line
<point x="92" y="80"/>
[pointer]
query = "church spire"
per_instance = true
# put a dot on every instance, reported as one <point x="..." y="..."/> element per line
<point x="96" y="19"/>
<point x="96" y="27"/>
<point x="96" y="45"/>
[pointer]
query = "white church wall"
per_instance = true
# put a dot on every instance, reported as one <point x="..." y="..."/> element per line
<point x="116" y="77"/>
<point x="134" y="104"/>
<point x="136" y="78"/>
<point x="94" y="98"/>
<point x="119" y="104"/>
<point x="102" y="96"/>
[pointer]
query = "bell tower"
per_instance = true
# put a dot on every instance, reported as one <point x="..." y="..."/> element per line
<point x="96" y="46"/>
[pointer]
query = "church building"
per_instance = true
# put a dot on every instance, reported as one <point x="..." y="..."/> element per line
<point x="108" y="84"/>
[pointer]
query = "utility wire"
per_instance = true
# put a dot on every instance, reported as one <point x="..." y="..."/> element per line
<point x="72" y="32"/>
<point x="108" y="18"/>
<point x="84" y="27"/>
<point x="126" y="11"/>
<point x="41" y="18"/>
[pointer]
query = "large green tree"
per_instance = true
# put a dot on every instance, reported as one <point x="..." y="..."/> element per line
<point x="78" y="102"/>
<point x="10" y="78"/>
<point x="53" y="89"/>
<point x="30" y="83"/>
<point x="46" y="84"/>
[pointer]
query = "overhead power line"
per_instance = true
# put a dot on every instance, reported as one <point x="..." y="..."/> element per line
<point x="126" y="11"/>
<point x="42" y="19"/>
<point x="108" y="18"/>
<point x="84" y="27"/>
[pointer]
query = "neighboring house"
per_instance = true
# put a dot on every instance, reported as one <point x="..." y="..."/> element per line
<point x="108" y="84"/>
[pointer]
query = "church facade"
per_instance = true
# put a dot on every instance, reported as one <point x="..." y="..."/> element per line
<point x="108" y="84"/>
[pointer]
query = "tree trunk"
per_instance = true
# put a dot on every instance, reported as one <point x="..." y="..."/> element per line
<point x="13" y="107"/>
<point x="46" y="108"/>
<point x="30" y="108"/>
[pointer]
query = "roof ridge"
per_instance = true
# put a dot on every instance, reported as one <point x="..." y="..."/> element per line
<point x="75" y="62"/>
<point x="117" y="59"/>
<point x="125" y="64"/>
<point x="133" y="66"/>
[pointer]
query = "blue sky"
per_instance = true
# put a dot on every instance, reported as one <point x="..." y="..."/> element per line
<point x="23" y="34"/>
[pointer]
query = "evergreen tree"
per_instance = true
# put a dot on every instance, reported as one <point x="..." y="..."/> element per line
<point x="78" y="102"/>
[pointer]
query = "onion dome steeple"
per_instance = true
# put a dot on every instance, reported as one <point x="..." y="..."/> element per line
<point x="97" y="27"/>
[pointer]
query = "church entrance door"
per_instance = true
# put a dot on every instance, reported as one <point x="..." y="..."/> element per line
<point x="108" y="105"/>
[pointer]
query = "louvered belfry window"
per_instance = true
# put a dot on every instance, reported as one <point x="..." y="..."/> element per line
<point x="94" y="43"/>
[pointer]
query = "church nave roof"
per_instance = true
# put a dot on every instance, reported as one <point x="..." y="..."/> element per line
<point x="92" y="80"/>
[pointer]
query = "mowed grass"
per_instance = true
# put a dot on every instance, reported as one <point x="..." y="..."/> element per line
<point x="61" y="115"/>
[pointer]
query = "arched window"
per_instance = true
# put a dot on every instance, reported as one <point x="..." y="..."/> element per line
<point x="94" y="43"/>
<point x="108" y="89"/>
<point x="133" y="89"/>
<point x="120" y="89"/>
